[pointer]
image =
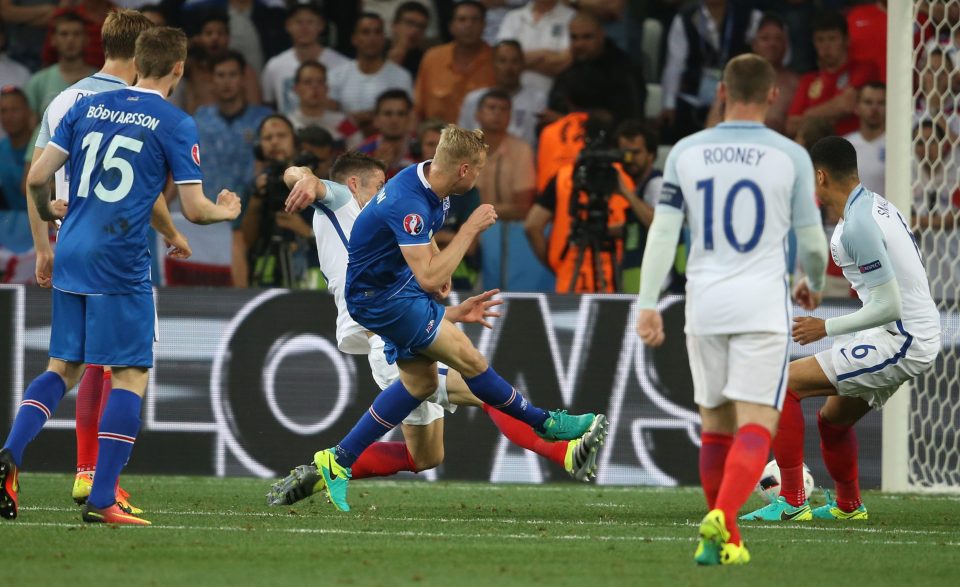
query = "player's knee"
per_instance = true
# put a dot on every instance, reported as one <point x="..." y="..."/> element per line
<point x="836" y="418"/>
<point x="429" y="460"/>
<point x="423" y="388"/>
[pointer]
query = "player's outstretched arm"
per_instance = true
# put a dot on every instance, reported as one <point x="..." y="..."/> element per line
<point x="307" y="189"/>
<point x="38" y="184"/>
<point x="199" y="210"/>
<point x="883" y="307"/>
<point x="162" y="222"/>
<point x="434" y="269"/>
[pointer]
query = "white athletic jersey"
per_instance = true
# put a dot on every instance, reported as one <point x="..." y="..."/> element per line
<point x="94" y="84"/>
<point x="871" y="160"/>
<point x="742" y="186"/>
<point x="872" y="244"/>
<point x="332" y="230"/>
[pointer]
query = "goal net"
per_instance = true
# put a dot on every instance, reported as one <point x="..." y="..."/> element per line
<point x="933" y="415"/>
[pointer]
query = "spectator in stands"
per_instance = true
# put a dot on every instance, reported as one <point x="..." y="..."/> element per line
<point x="12" y="73"/>
<point x="638" y="143"/>
<point x="508" y="180"/>
<point x="26" y="23"/>
<point x="869" y="140"/>
<point x="391" y="144"/>
<point x="428" y="137"/>
<point x="541" y="28"/>
<point x="831" y="92"/>
<point x="560" y="251"/>
<point x="812" y="129"/>
<point x="17" y="122"/>
<point x="770" y="43"/>
<point x="867" y="25"/>
<point x="244" y="37"/>
<point x="593" y="51"/>
<point x="450" y="71"/>
<point x="355" y="86"/>
<point x="527" y="102"/>
<point x="408" y="37"/>
<point x="213" y="37"/>
<point x="387" y="9"/>
<point x="702" y="38"/>
<point x="155" y="13"/>
<point x="497" y="10"/>
<point x="69" y="40"/>
<point x="319" y="143"/>
<point x="92" y="14"/>
<point x="304" y="24"/>
<point x="310" y="85"/>
<point x="936" y="197"/>
<point x="936" y="100"/>
<point x="272" y="248"/>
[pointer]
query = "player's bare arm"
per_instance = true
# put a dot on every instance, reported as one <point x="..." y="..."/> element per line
<point x="199" y="210"/>
<point x="162" y="222"/>
<point x="305" y="188"/>
<point x="433" y="269"/>
<point x="38" y="184"/>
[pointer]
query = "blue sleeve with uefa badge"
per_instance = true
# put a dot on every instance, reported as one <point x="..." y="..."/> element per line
<point x="182" y="148"/>
<point x="409" y="217"/>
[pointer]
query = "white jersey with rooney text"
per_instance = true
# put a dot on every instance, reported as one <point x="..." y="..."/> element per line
<point x="873" y="244"/>
<point x="94" y="84"/>
<point x="742" y="187"/>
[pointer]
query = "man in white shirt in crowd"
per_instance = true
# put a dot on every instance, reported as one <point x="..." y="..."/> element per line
<point x="541" y="28"/>
<point x="310" y="85"/>
<point x="355" y="86"/>
<point x="526" y="101"/>
<point x="305" y="24"/>
<point x="870" y="139"/>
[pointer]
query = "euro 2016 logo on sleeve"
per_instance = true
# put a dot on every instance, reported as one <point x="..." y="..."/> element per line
<point x="413" y="224"/>
<point x="195" y="152"/>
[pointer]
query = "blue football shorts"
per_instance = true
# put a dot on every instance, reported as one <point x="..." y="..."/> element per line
<point x="406" y="325"/>
<point x="116" y="330"/>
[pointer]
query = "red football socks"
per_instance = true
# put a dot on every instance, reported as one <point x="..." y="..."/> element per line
<point x="840" y="450"/>
<point x="742" y="471"/>
<point x="88" y="417"/>
<point x="788" y="451"/>
<point x="713" y="456"/>
<point x="382" y="459"/>
<point x="521" y="434"/>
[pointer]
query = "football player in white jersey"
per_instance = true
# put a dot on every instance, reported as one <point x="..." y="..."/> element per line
<point x="893" y="338"/>
<point x="357" y="179"/>
<point x="742" y="187"/>
<point x="120" y="31"/>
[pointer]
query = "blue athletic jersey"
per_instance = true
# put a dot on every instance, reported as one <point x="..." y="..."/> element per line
<point x="122" y="146"/>
<point x="406" y="213"/>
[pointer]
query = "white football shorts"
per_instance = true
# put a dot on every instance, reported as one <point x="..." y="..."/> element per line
<point x="749" y="367"/>
<point x="384" y="374"/>
<point x="872" y="364"/>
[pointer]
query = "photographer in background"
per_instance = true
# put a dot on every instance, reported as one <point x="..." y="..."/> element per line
<point x="638" y="143"/>
<point x="273" y="248"/>
<point x="588" y="208"/>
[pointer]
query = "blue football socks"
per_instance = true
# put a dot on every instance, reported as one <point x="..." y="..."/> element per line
<point x="40" y="400"/>
<point x="119" y="426"/>
<point x="494" y="391"/>
<point x="389" y="409"/>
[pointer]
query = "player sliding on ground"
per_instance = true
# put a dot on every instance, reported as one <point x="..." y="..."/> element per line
<point x="394" y="269"/>
<point x="357" y="179"/>
<point x="742" y="186"/>
<point x="102" y="294"/>
<point x="893" y="338"/>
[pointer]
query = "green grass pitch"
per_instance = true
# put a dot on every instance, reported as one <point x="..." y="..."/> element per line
<point x="218" y="532"/>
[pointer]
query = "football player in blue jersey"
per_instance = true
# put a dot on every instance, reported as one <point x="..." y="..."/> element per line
<point x="394" y="270"/>
<point x="119" y="148"/>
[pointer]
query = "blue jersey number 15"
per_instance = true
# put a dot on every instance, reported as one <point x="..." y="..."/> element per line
<point x="111" y="160"/>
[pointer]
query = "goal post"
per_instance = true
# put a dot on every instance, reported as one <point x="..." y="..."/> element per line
<point x="921" y="423"/>
<point x="899" y="153"/>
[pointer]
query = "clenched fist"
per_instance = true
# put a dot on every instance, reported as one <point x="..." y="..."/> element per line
<point x="230" y="202"/>
<point x="482" y="218"/>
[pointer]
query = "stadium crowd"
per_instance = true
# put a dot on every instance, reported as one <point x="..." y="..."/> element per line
<point x="579" y="101"/>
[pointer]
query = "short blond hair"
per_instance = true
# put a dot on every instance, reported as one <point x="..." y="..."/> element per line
<point x="158" y="51"/>
<point x="120" y="31"/>
<point x="749" y="79"/>
<point x="459" y="145"/>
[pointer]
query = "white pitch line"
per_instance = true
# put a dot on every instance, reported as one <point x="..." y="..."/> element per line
<point x="447" y="535"/>
<point x="533" y="522"/>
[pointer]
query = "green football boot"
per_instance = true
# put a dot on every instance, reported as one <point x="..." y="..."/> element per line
<point x="335" y="478"/>
<point x="830" y="511"/>
<point x="781" y="511"/>
<point x="562" y="426"/>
